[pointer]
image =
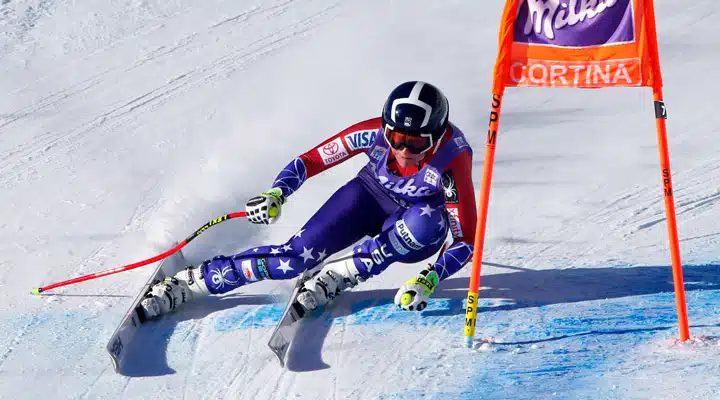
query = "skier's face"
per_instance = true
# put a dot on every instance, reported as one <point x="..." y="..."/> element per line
<point x="405" y="158"/>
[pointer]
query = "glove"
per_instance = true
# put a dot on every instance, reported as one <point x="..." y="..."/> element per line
<point x="265" y="209"/>
<point x="414" y="294"/>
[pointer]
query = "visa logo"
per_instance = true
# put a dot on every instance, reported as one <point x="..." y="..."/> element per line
<point x="360" y="139"/>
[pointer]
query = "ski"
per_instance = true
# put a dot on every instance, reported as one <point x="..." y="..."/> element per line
<point x="125" y="332"/>
<point x="285" y="330"/>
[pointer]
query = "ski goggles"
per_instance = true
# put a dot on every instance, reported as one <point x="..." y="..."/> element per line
<point x="398" y="139"/>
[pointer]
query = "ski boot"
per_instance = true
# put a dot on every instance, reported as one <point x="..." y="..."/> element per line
<point x="173" y="291"/>
<point x="332" y="279"/>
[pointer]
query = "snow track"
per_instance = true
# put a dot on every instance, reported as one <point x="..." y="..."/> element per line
<point x="127" y="124"/>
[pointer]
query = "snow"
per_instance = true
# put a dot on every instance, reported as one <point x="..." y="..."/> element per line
<point x="127" y="124"/>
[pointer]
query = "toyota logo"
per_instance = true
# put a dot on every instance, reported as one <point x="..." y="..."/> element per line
<point x="330" y="148"/>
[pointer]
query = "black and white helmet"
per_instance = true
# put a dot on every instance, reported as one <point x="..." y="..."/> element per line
<point x="417" y="108"/>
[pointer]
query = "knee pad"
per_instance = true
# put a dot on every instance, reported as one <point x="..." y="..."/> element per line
<point x="421" y="226"/>
<point x="221" y="275"/>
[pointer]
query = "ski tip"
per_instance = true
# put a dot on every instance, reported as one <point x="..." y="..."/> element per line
<point x="36" y="291"/>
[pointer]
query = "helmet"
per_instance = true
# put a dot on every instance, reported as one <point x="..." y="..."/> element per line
<point x="415" y="116"/>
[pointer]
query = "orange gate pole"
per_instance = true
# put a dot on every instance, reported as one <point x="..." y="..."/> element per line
<point x="501" y="72"/>
<point x="660" y="118"/>
<point x="471" y="310"/>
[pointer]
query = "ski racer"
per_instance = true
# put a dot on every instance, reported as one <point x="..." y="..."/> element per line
<point x="416" y="187"/>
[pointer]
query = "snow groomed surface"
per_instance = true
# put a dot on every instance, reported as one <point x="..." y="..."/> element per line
<point x="124" y="125"/>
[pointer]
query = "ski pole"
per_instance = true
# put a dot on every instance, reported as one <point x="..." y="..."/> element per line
<point x="37" y="291"/>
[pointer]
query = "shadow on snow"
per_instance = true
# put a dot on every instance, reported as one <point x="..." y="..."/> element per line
<point x="521" y="288"/>
<point x="147" y="355"/>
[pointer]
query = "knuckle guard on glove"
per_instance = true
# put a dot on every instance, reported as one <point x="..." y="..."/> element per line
<point x="265" y="209"/>
<point x="414" y="294"/>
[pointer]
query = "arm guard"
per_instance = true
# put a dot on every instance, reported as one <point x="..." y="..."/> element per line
<point x="291" y="177"/>
<point x="452" y="259"/>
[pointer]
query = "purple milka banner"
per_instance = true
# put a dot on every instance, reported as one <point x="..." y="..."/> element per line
<point x="575" y="23"/>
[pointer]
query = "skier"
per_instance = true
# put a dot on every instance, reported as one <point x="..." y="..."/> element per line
<point x="416" y="186"/>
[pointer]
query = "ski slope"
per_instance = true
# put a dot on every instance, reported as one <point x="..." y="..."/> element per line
<point x="126" y="125"/>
